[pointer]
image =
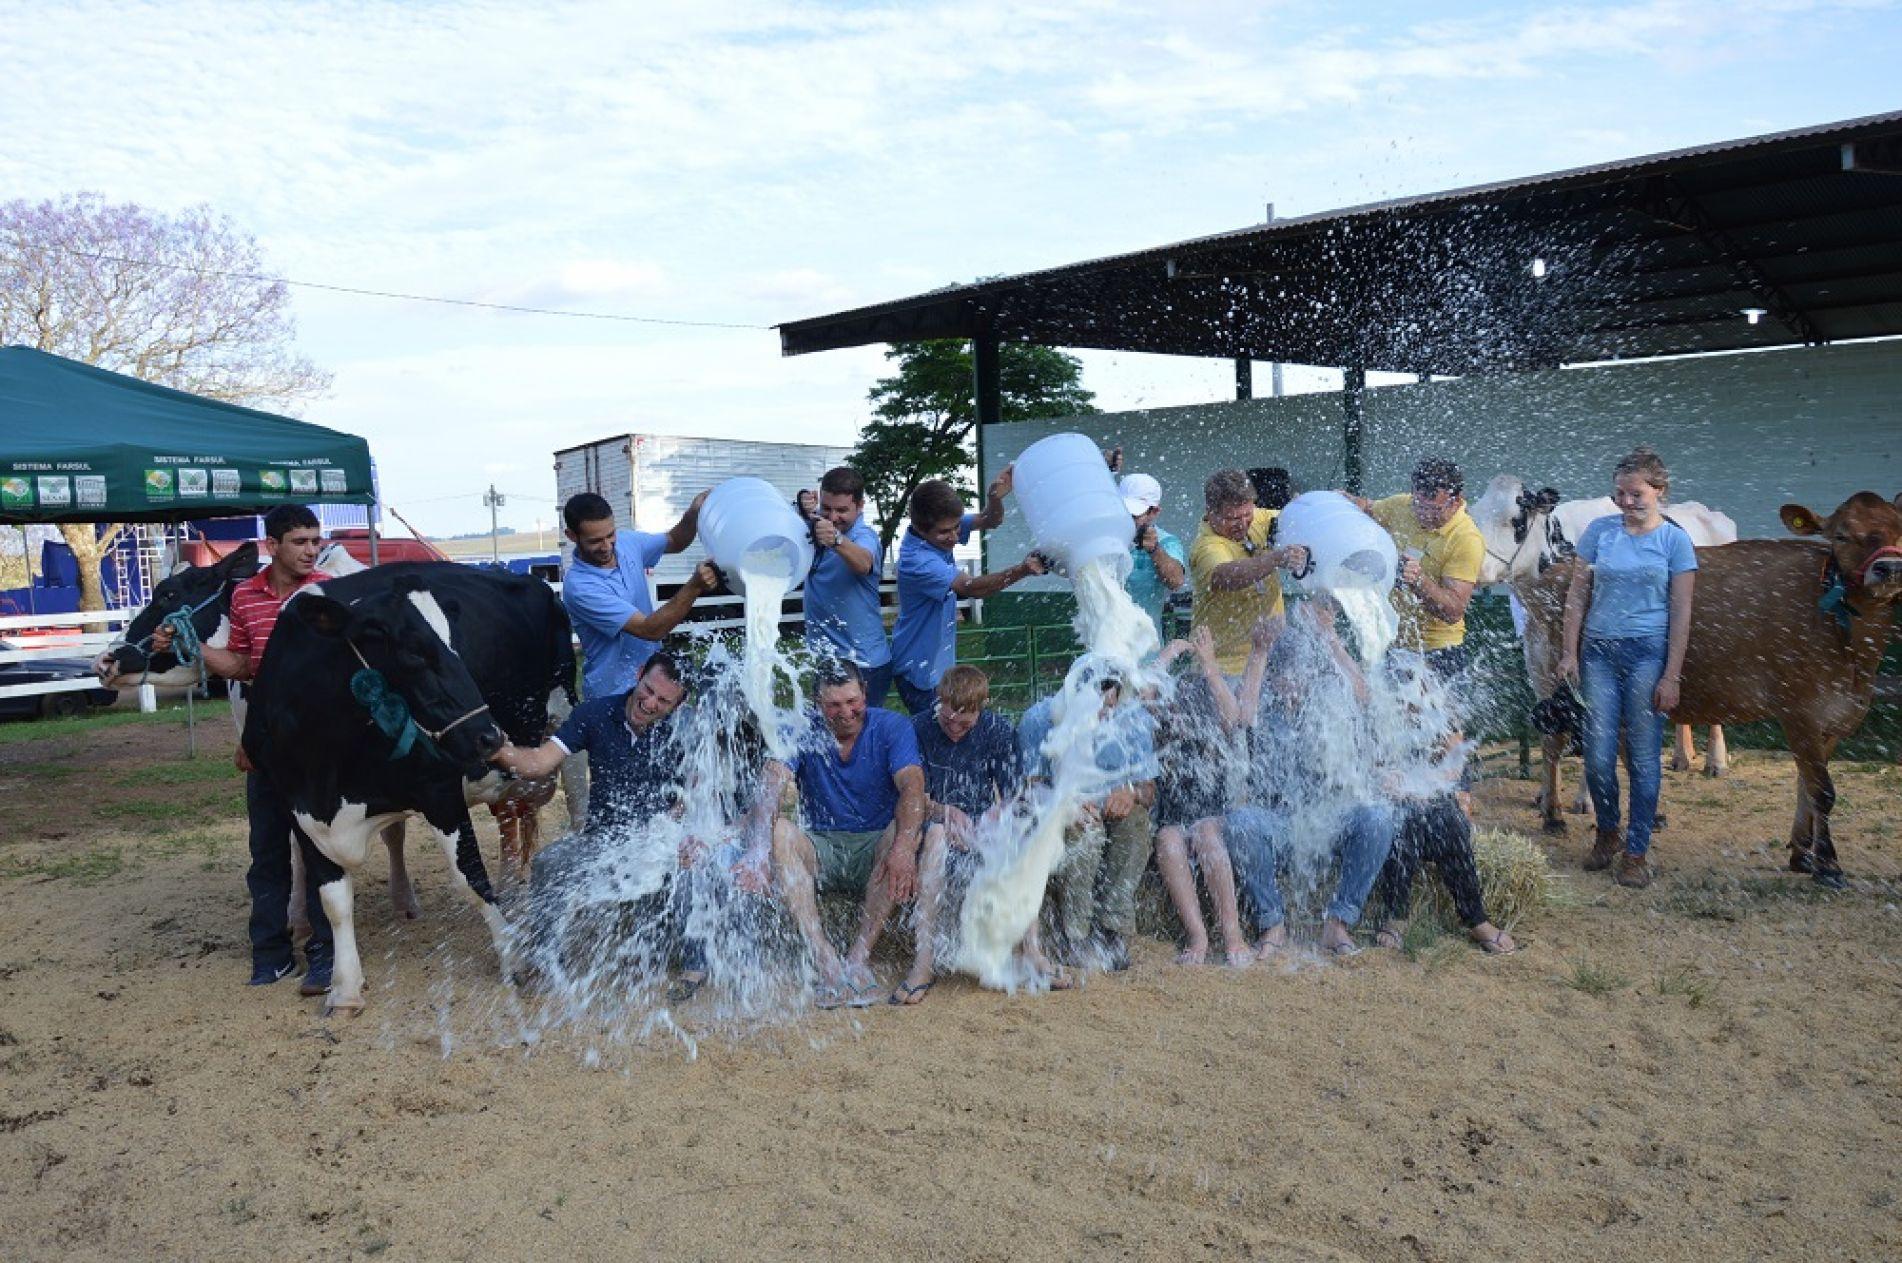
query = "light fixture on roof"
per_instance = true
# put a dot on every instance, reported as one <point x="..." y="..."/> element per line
<point x="1538" y="269"/>
<point x="1754" y="314"/>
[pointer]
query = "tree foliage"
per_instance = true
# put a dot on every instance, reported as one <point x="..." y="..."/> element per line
<point x="179" y="300"/>
<point x="924" y="418"/>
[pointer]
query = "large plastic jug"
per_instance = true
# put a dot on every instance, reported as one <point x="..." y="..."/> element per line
<point x="1071" y="504"/>
<point x="1346" y="548"/>
<point x="747" y="525"/>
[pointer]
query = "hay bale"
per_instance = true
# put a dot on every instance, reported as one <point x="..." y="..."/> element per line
<point x="1515" y="879"/>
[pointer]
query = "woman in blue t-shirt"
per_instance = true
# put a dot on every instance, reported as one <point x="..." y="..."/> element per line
<point x="1632" y="603"/>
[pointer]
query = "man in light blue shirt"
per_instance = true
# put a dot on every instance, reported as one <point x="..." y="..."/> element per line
<point x="608" y="597"/>
<point x="842" y="612"/>
<point x="925" y="638"/>
<point x="1158" y="561"/>
<point x="1107" y="847"/>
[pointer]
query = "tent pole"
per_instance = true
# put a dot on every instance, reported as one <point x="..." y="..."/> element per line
<point x="369" y="516"/>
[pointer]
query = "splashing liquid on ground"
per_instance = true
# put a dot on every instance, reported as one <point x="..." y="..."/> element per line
<point x="1020" y="852"/>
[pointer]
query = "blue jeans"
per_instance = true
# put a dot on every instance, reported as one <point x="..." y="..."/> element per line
<point x="1257" y="840"/>
<point x="878" y="683"/>
<point x="918" y="701"/>
<point x="1618" y="679"/>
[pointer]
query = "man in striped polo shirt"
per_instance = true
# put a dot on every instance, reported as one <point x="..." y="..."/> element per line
<point x="292" y="539"/>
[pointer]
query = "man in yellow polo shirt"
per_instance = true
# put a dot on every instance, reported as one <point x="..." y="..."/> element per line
<point x="1233" y="568"/>
<point x="1441" y="550"/>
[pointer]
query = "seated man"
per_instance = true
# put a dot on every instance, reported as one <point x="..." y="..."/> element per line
<point x="634" y="757"/>
<point x="973" y="771"/>
<point x="1315" y="684"/>
<point x="863" y="797"/>
<point x="1107" y="848"/>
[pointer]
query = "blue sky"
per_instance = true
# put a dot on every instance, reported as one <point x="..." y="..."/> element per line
<point x="759" y="162"/>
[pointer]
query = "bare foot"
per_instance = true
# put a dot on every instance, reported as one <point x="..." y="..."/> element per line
<point x="1271" y="942"/>
<point x="1337" y="939"/>
<point x="1194" y="954"/>
<point x="1239" y="955"/>
<point x="1392" y="936"/>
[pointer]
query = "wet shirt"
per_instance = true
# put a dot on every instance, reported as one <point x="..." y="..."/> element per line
<point x="842" y="606"/>
<point x="1631" y="576"/>
<point x="1191" y="748"/>
<point x="971" y="774"/>
<point x="633" y="773"/>
<point x="601" y="599"/>
<point x="1125" y="742"/>
<point x="1144" y="585"/>
<point x="1454" y="550"/>
<point x="856" y="795"/>
<point x="925" y="637"/>
<point x="1230" y="615"/>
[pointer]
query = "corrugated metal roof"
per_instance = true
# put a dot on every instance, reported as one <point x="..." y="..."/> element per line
<point x="1647" y="256"/>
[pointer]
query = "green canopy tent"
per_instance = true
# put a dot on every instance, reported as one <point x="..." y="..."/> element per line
<point x="80" y="444"/>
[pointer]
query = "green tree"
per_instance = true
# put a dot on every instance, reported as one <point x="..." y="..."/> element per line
<point x="183" y="300"/>
<point x="924" y="419"/>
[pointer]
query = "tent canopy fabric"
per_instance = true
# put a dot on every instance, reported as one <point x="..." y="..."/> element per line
<point x="80" y="444"/>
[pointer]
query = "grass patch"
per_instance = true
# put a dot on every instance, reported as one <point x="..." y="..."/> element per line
<point x="80" y="725"/>
<point x="1595" y="979"/>
<point x="1717" y="898"/>
<point x="181" y="772"/>
<point x="1696" y="989"/>
<point x="41" y="771"/>
<point x="85" y="868"/>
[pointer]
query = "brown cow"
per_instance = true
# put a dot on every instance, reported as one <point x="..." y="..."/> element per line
<point x="1772" y="637"/>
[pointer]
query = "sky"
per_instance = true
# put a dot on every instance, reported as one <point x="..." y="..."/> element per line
<point x="754" y="163"/>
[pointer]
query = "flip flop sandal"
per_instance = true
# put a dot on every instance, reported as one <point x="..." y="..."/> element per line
<point x="684" y="989"/>
<point x="1390" y="939"/>
<point x="1343" y="951"/>
<point x="1493" y="947"/>
<point x="908" y="995"/>
<point x="1061" y="980"/>
<point x="827" y="996"/>
<point x="863" y="995"/>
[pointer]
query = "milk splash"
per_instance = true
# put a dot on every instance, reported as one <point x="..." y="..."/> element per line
<point x="764" y="577"/>
<point x="1023" y="847"/>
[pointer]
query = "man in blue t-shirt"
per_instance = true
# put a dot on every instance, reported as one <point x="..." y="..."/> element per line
<point x="1107" y="847"/>
<point x="925" y="638"/>
<point x="1158" y="561"/>
<point x="843" y="618"/>
<point x="607" y="595"/>
<point x="862" y="795"/>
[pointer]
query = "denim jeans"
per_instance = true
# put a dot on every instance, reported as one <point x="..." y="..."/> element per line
<point x="1618" y="679"/>
<point x="273" y="834"/>
<point x="1258" y="838"/>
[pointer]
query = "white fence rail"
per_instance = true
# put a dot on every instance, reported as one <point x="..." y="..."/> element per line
<point x="78" y="643"/>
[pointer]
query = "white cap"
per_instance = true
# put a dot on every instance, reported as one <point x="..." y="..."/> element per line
<point x="1141" y="493"/>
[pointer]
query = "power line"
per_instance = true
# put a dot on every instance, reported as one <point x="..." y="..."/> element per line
<point x="413" y="298"/>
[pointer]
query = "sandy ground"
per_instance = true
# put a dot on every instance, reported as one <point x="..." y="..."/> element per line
<point x="1704" y="1070"/>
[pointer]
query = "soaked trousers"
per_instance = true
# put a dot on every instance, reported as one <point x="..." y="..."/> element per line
<point x="1259" y="838"/>
<point x="1094" y="886"/>
<point x="273" y="834"/>
<point x="1434" y="831"/>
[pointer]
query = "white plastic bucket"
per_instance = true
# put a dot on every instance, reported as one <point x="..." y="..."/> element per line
<point x="1071" y="504"/>
<point x="747" y="525"/>
<point x="1346" y="548"/>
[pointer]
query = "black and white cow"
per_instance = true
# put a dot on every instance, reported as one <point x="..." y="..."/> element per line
<point x="465" y="656"/>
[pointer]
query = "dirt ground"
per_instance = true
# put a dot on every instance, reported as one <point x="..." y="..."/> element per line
<point x="1704" y="1070"/>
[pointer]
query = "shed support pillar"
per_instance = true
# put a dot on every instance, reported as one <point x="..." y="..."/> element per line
<point x="1353" y="406"/>
<point x="988" y="383"/>
<point x="1244" y="378"/>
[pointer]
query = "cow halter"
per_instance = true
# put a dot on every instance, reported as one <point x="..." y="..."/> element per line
<point x="1835" y="599"/>
<point x="186" y="645"/>
<point x="389" y="710"/>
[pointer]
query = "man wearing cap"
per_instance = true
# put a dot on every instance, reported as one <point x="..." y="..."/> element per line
<point x="1158" y="562"/>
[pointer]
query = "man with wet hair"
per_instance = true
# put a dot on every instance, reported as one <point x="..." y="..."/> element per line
<point x="1234" y="568"/>
<point x="843" y="618"/>
<point x="1441" y="553"/>
<point x="292" y="540"/>
<point x="930" y="585"/>
<point x="1107" y="847"/>
<point x="608" y="597"/>
<point x="861" y="792"/>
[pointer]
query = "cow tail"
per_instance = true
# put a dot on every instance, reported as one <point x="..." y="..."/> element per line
<point x="562" y="647"/>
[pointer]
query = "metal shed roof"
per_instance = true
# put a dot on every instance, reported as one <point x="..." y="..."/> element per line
<point x="1658" y="255"/>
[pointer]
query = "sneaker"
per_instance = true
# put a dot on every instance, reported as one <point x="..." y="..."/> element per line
<point x="263" y="975"/>
<point x="1608" y="846"/>
<point x="1633" y="871"/>
<point x="316" y="978"/>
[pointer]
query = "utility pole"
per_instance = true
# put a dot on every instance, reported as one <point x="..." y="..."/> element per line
<point x="494" y="500"/>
